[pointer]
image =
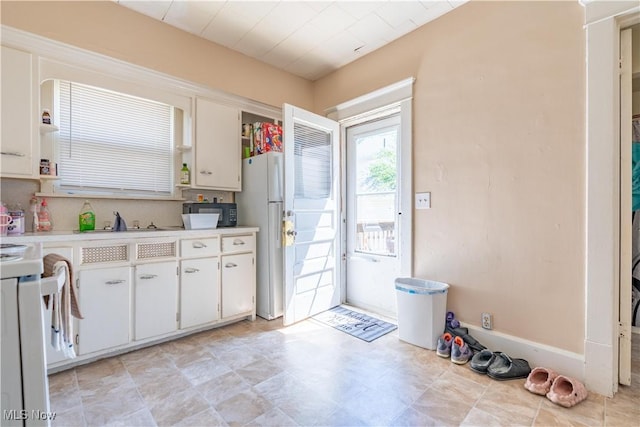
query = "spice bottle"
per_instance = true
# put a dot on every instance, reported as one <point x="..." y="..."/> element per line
<point x="184" y="174"/>
<point x="46" y="117"/>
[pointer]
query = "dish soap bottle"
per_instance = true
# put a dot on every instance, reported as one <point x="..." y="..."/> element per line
<point x="87" y="218"/>
<point x="184" y="174"/>
<point x="44" y="217"/>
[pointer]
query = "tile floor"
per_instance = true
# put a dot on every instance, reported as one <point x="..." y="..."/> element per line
<point x="262" y="374"/>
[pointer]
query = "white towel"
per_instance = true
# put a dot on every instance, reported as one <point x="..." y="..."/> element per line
<point x="63" y="305"/>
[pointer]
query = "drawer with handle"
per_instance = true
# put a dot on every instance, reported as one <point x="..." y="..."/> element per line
<point x="242" y="243"/>
<point x="207" y="246"/>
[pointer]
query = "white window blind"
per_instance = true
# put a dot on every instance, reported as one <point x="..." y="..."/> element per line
<point x="115" y="143"/>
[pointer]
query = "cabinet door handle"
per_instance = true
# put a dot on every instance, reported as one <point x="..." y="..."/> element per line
<point x="199" y="245"/>
<point x="191" y="270"/>
<point x="230" y="265"/>
<point x="114" y="282"/>
<point x="238" y="242"/>
<point x="12" y="153"/>
<point x="206" y="172"/>
<point x="148" y="276"/>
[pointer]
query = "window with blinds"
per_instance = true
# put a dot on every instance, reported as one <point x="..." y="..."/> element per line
<point x="312" y="155"/>
<point x="110" y="142"/>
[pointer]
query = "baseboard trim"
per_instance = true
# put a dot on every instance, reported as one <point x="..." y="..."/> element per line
<point x="562" y="361"/>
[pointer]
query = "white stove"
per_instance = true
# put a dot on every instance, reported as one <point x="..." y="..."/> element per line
<point x="25" y="388"/>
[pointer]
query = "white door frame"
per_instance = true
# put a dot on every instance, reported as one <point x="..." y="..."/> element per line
<point x="626" y="252"/>
<point x="368" y="107"/>
<point x="604" y="21"/>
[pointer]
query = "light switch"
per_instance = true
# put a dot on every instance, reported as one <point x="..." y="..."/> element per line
<point x="423" y="200"/>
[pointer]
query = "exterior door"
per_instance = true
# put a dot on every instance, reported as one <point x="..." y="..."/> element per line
<point x="311" y="223"/>
<point x="372" y="198"/>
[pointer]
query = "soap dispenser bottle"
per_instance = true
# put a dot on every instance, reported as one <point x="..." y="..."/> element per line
<point x="87" y="217"/>
<point x="44" y="217"/>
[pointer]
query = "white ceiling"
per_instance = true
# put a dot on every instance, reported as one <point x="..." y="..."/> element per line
<point x="306" y="38"/>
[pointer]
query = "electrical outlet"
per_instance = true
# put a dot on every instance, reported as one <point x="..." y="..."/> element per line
<point x="487" y="322"/>
<point x="423" y="200"/>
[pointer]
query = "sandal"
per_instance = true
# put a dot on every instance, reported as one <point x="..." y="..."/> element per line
<point x="481" y="361"/>
<point x="567" y="391"/>
<point x="504" y="367"/>
<point x="539" y="380"/>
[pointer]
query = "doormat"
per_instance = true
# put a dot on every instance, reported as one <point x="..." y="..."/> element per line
<point x="359" y="325"/>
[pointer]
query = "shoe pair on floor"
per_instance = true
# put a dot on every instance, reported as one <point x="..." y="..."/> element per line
<point x="499" y="366"/>
<point x="559" y="389"/>
<point x="454" y="348"/>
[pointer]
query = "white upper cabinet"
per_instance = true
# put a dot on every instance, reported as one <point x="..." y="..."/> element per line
<point x="18" y="157"/>
<point x="217" y="157"/>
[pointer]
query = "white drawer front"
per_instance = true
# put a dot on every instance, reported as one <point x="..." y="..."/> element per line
<point x="242" y="243"/>
<point x="200" y="247"/>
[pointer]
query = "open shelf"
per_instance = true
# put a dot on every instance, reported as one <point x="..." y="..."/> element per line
<point x="45" y="128"/>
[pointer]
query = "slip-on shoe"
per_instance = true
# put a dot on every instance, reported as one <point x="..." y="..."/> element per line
<point x="504" y="367"/>
<point x="481" y="361"/>
<point x="566" y="391"/>
<point x="539" y="380"/>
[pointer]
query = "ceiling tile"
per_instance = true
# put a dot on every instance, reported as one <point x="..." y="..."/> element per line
<point x="370" y="27"/>
<point x="291" y="14"/>
<point x="435" y="9"/>
<point x="338" y="47"/>
<point x="254" y="44"/>
<point x="192" y="16"/>
<point x="401" y="30"/>
<point x="333" y="19"/>
<point x="360" y="9"/>
<point x="227" y="29"/>
<point x="310" y="67"/>
<point x="155" y="9"/>
<point x="396" y="13"/>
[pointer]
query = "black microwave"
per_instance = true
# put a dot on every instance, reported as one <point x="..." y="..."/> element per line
<point x="228" y="212"/>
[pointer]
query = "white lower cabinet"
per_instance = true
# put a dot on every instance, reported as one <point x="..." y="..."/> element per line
<point x="138" y="291"/>
<point x="155" y="299"/>
<point x="199" y="291"/>
<point x="238" y="284"/>
<point x="104" y="298"/>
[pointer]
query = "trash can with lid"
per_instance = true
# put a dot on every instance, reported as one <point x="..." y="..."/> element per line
<point x="422" y="310"/>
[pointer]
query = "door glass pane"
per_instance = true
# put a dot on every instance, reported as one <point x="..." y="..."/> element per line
<point x="312" y="151"/>
<point x="376" y="182"/>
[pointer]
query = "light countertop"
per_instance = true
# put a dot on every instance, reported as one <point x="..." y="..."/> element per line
<point x="75" y="236"/>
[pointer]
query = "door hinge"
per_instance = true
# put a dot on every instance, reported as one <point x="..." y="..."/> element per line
<point x="77" y="283"/>
<point x="77" y="339"/>
<point x="177" y="271"/>
<point x="177" y="317"/>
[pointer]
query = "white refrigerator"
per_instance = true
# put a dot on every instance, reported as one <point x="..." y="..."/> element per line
<point x="260" y="203"/>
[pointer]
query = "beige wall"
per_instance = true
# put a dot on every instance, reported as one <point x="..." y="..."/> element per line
<point x="499" y="140"/>
<point x="113" y="30"/>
